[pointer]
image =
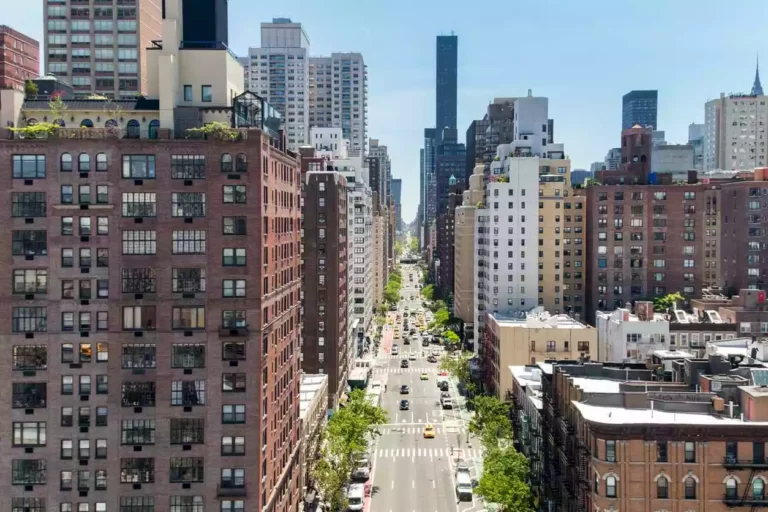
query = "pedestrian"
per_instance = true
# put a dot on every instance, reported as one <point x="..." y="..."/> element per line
<point x="385" y="388"/>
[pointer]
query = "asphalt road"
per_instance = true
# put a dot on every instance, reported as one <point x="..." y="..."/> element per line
<point x="411" y="473"/>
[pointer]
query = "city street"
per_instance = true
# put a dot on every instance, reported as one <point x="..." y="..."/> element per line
<point x="411" y="472"/>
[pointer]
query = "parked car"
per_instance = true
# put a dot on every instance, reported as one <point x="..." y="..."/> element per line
<point x="405" y="405"/>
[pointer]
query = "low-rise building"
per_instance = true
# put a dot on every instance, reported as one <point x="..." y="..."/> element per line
<point x="313" y="416"/>
<point x="630" y="337"/>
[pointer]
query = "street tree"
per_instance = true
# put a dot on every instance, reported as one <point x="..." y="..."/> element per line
<point x="428" y="292"/>
<point x="442" y="316"/>
<point x="490" y="422"/>
<point x="452" y="340"/>
<point x="457" y="366"/>
<point x="503" y="482"/>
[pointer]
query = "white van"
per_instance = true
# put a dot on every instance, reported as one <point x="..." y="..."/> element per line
<point x="356" y="497"/>
<point x="395" y="350"/>
<point x="463" y="486"/>
<point x="446" y="403"/>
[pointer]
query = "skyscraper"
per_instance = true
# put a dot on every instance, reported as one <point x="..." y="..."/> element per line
<point x="640" y="107"/>
<point x="445" y="86"/>
<point x="397" y="190"/>
<point x="205" y="22"/>
<point x="103" y="49"/>
<point x="279" y="72"/>
<point x="330" y="107"/>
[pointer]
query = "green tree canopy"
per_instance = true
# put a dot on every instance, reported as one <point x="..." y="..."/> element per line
<point x="490" y="421"/>
<point x="452" y="340"/>
<point x="503" y="482"/>
<point x="442" y="316"/>
<point x="457" y="366"/>
<point x="667" y="301"/>
<point x="414" y="245"/>
<point x="428" y="292"/>
<point x="30" y="89"/>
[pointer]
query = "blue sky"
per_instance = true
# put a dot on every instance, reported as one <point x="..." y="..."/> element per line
<point x="583" y="55"/>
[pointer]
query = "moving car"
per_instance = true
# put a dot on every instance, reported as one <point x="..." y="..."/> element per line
<point x="424" y="376"/>
<point x="355" y="497"/>
<point x="404" y="390"/>
<point x="429" y="431"/>
<point x="445" y="394"/>
<point x="395" y="350"/>
<point x="404" y="405"/>
<point x="362" y="469"/>
<point x="463" y="484"/>
<point x="412" y="357"/>
<point x="404" y="363"/>
<point x="432" y="359"/>
<point x="446" y="403"/>
<point x="444" y="386"/>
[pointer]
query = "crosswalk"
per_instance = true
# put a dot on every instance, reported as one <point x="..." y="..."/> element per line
<point x="430" y="453"/>
<point x="406" y="355"/>
<point x="383" y="371"/>
<point x="409" y="430"/>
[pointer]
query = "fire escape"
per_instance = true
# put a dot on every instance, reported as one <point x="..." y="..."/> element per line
<point x="552" y="471"/>
<point x="750" y="497"/>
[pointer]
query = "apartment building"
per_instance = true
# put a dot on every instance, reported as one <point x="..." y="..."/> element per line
<point x="464" y="249"/>
<point x="338" y="89"/>
<point x="279" y="72"/>
<point x="19" y="60"/>
<point x="528" y="337"/>
<point x="735" y="132"/>
<point x="152" y="326"/>
<point x="744" y="223"/>
<point x="325" y="258"/>
<point x="446" y="250"/>
<point x="360" y="263"/>
<point x="102" y="49"/>
<point x="613" y="435"/>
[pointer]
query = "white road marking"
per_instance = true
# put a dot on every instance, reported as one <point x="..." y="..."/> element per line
<point x="413" y="486"/>
<point x="393" y="484"/>
<point x="433" y="484"/>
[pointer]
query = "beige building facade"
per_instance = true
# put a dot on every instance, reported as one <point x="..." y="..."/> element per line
<point x="379" y="251"/>
<point x="464" y="244"/>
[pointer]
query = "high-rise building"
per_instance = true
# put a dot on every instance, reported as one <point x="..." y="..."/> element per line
<point x="612" y="159"/>
<point x="696" y="135"/>
<point x="279" y="71"/>
<point x="397" y="190"/>
<point x="446" y="73"/>
<point x="485" y="135"/>
<point x="177" y="380"/>
<point x="735" y="132"/>
<point x="450" y="160"/>
<point x="20" y="60"/>
<point x="325" y="278"/>
<point x="206" y="22"/>
<point x="531" y="122"/>
<point x="444" y="277"/>
<point x="430" y="185"/>
<point x="640" y="107"/>
<point x="103" y="50"/>
<point x="338" y="89"/>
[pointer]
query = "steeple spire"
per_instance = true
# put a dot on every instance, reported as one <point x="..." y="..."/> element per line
<point x="757" y="89"/>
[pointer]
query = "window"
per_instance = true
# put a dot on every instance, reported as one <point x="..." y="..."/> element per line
<point x="187" y="431"/>
<point x="29" y="167"/>
<point x="65" y="162"/>
<point x="232" y="478"/>
<point x="232" y="506"/>
<point x="233" y="413"/>
<point x="139" y="204"/>
<point x="31" y="395"/>
<point x="30" y="357"/>
<point x="84" y="162"/>
<point x="67" y="450"/>
<point x="582" y="346"/>
<point x="690" y="488"/>
<point x="30" y="505"/>
<point x="234" y="193"/>
<point x="234" y="257"/>
<point x="233" y="288"/>
<point x="188" y="93"/>
<point x="234" y="226"/>
<point x="139" y="280"/>
<point x="30" y="281"/>
<point x="661" y="451"/>
<point x="29" y="319"/>
<point x="138" y="394"/>
<point x="188" y="392"/>
<point x="226" y="162"/>
<point x="233" y="351"/>
<point x="610" y="487"/>
<point x="188" y="280"/>
<point x="206" y="93"/>
<point x="188" y="242"/>
<point x="690" y="452"/>
<point x="29" y="243"/>
<point x="662" y="488"/>
<point x="140" y="242"/>
<point x="610" y="451"/>
<point x="102" y="194"/>
<point x="67" y="226"/>
<point x="758" y="489"/>
<point x="139" y="317"/>
<point x="28" y="204"/>
<point x="101" y="162"/>
<point x="138" y="355"/>
<point x="28" y="472"/>
<point x="29" y="433"/>
<point x="233" y="382"/>
<point x="188" y="318"/>
<point x="232" y="319"/>
<point x="187" y="469"/>
<point x="137" y="503"/>
<point x="241" y="163"/>
<point x="233" y="445"/>
<point x="188" y="167"/>
<point x="139" y="166"/>
<point x="137" y="470"/>
<point x="186" y="504"/>
<point x="188" y="204"/>
<point x="188" y="356"/>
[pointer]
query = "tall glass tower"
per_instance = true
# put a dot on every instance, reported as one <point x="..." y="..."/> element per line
<point x="447" y="72"/>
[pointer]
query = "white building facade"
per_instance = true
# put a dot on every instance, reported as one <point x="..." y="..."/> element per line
<point x="279" y="72"/>
<point x="338" y="87"/>
<point x="735" y="132"/>
<point x="360" y="258"/>
<point x="626" y="337"/>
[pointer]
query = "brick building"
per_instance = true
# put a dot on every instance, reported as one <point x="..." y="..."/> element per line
<point x="19" y="60"/>
<point x="445" y="241"/>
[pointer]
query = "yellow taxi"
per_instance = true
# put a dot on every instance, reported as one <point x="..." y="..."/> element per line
<point x="424" y="376"/>
<point x="429" y="431"/>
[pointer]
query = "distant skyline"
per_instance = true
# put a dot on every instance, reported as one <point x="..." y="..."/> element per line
<point x="584" y="56"/>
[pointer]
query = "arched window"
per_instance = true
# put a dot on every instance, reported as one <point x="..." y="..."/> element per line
<point x="597" y="484"/>
<point x="610" y="487"/>
<point x="101" y="162"/>
<point x="241" y="163"/>
<point x="86" y="123"/>
<point x="84" y="162"/>
<point x="690" y="488"/>
<point x="758" y="489"/>
<point x="662" y="488"/>
<point x="111" y="123"/>
<point x="66" y="162"/>
<point x="154" y="126"/>
<point x="226" y="162"/>
<point x="31" y="122"/>
<point x="134" y="131"/>
<point x="731" y="488"/>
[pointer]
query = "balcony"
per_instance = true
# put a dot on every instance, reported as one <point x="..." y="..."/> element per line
<point x="233" y="332"/>
<point x="734" y="463"/>
<point x="231" y="491"/>
<point x="750" y="500"/>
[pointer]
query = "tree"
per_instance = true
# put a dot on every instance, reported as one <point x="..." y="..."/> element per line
<point x="442" y="316"/>
<point x="30" y="89"/>
<point x="428" y="292"/>
<point x="667" y="301"/>
<point x="457" y="366"/>
<point x="490" y="421"/>
<point x="414" y="245"/>
<point x="452" y="340"/>
<point x="505" y="473"/>
<point x="398" y="249"/>
<point x="346" y="438"/>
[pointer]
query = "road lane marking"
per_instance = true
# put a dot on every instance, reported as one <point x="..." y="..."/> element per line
<point x="433" y="484"/>
<point x="413" y="486"/>
<point x="393" y="485"/>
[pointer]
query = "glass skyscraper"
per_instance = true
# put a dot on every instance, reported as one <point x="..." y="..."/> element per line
<point x="447" y="72"/>
<point x="640" y="107"/>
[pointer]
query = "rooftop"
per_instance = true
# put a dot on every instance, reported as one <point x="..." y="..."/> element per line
<point x="673" y="354"/>
<point x="537" y="318"/>
<point x="308" y="388"/>
<point x="139" y="103"/>
<point x="623" y="416"/>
